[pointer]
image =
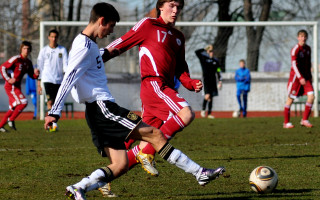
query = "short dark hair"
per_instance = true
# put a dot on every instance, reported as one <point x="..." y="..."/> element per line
<point x="302" y="31"/>
<point x="104" y="10"/>
<point x="26" y="43"/>
<point x="161" y="2"/>
<point x="53" y="31"/>
<point x="242" y="60"/>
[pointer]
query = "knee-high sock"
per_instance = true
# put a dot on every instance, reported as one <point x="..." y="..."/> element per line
<point x="204" y="104"/>
<point x="307" y="111"/>
<point x="97" y="179"/>
<point x="169" y="129"/>
<point x="132" y="153"/>
<point x="17" y="110"/>
<point x="178" y="158"/>
<point x="210" y="106"/>
<point x="286" y="114"/>
<point x="129" y="143"/>
<point x="5" y="118"/>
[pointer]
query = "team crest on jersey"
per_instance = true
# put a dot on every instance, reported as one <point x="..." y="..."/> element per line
<point x="178" y="41"/>
<point x="60" y="55"/>
<point x="132" y="116"/>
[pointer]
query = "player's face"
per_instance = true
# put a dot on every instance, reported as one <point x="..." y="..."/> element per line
<point x="241" y="64"/>
<point x="302" y="39"/>
<point x="210" y="52"/>
<point x="53" y="40"/>
<point x="25" y="51"/>
<point x="106" y="28"/>
<point x="170" y="12"/>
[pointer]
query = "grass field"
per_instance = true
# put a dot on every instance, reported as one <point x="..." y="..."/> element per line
<point x="35" y="164"/>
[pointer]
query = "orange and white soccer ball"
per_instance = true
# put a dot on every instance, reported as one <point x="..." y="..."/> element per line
<point x="263" y="179"/>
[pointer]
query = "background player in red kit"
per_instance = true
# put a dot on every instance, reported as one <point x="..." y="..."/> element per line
<point x="162" y="57"/>
<point x="300" y="80"/>
<point x="13" y="71"/>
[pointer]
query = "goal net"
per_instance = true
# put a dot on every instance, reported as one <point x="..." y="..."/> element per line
<point x="269" y="81"/>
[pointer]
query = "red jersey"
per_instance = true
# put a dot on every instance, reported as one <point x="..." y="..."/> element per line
<point x="301" y="62"/>
<point x="16" y="67"/>
<point x="161" y="50"/>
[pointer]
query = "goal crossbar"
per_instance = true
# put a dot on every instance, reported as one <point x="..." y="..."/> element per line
<point x="314" y="24"/>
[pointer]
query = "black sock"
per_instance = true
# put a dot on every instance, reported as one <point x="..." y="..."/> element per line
<point x="166" y="151"/>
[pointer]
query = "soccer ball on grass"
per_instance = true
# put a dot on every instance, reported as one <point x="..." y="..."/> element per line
<point x="236" y="114"/>
<point x="263" y="179"/>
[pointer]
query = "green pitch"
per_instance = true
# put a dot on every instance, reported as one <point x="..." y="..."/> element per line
<point x="35" y="164"/>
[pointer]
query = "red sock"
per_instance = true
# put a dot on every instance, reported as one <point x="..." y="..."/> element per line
<point x="5" y="118"/>
<point x="307" y="111"/>
<point x="169" y="129"/>
<point x="286" y="114"/>
<point x="132" y="156"/>
<point x="129" y="143"/>
<point x="17" y="110"/>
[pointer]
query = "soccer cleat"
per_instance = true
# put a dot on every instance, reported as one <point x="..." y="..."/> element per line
<point x="12" y="125"/>
<point x="306" y="123"/>
<point x="147" y="163"/>
<point x="288" y="125"/>
<point x="210" y="116"/>
<point x="106" y="191"/>
<point x="207" y="175"/>
<point x="3" y="130"/>
<point x="203" y="113"/>
<point x="75" y="193"/>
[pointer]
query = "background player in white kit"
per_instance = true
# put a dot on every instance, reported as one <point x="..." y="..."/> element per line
<point x="52" y="62"/>
<point x="110" y="124"/>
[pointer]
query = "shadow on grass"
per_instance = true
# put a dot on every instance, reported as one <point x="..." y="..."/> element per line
<point x="271" y="157"/>
<point x="277" y="194"/>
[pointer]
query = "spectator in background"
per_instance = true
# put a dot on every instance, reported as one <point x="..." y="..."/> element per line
<point x="210" y="72"/>
<point x="52" y="62"/>
<point x="13" y="71"/>
<point x="31" y="89"/>
<point x="300" y="80"/>
<point x="243" y="80"/>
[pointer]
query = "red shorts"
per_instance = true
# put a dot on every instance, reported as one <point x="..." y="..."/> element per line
<point x="295" y="89"/>
<point x="159" y="101"/>
<point x="15" y="96"/>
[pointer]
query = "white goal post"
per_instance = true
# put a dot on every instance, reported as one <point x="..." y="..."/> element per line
<point x="314" y="25"/>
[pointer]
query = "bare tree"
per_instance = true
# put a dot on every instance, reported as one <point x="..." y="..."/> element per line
<point x="255" y="34"/>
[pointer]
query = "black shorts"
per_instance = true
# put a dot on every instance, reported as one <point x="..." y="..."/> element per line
<point x="110" y="124"/>
<point x="51" y="91"/>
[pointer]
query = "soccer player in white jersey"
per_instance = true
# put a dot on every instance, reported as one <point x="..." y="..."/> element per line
<point x="110" y="124"/>
<point x="52" y="62"/>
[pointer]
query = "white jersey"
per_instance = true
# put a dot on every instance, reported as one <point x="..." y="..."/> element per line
<point x="52" y="62"/>
<point x="85" y="75"/>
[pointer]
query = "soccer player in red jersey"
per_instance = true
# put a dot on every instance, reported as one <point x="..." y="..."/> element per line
<point x="300" y="80"/>
<point x="13" y="71"/>
<point x="162" y="57"/>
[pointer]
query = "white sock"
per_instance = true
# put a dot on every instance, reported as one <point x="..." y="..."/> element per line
<point x="91" y="181"/>
<point x="183" y="162"/>
<point x="95" y="186"/>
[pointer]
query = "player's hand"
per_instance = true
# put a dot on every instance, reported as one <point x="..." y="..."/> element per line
<point x="220" y="85"/>
<point x="48" y="122"/>
<point x="198" y="87"/>
<point x="36" y="72"/>
<point x="12" y="81"/>
<point x="302" y="81"/>
<point x="39" y="90"/>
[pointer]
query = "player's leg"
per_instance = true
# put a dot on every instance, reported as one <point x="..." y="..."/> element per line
<point x="204" y="106"/>
<point x="239" y="100"/>
<point x="51" y="93"/>
<point x="210" y="116"/>
<point x="174" y="156"/>
<point x="245" y="101"/>
<point x="19" y="105"/>
<point x="34" y="102"/>
<point x="5" y="119"/>
<point x="286" y="113"/>
<point x="293" y="88"/>
<point x="308" y="107"/>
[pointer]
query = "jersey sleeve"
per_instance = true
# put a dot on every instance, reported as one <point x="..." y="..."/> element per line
<point x="294" y="65"/>
<point x="7" y="65"/>
<point x="65" y="59"/>
<point x="40" y="62"/>
<point x="76" y="68"/>
<point x="132" y="38"/>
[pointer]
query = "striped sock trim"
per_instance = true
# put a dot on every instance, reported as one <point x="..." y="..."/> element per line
<point x="108" y="174"/>
<point x="166" y="151"/>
